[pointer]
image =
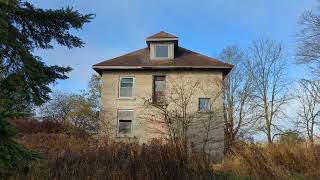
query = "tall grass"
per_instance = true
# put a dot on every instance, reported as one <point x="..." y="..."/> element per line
<point x="278" y="161"/>
<point x="74" y="156"/>
<point x="70" y="157"/>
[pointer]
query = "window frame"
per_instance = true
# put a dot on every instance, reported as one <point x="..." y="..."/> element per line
<point x="208" y="106"/>
<point x="118" y="123"/>
<point x="119" y="87"/>
<point x="162" y="57"/>
<point x="154" y="87"/>
<point x="171" y="49"/>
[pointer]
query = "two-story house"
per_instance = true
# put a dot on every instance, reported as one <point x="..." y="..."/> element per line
<point x="186" y="84"/>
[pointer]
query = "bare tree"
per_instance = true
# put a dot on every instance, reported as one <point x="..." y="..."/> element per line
<point x="209" y="119"/>
<point x="178" y="116"/>
<point x="238" y="91"/>
<point x="174" y="108"/>
<point x="309" y="108"/>
<point x="58" y="107"/>
<point x="308" y="51"/>
<point x="93" y="91"/>
<point x="266" y="66"/>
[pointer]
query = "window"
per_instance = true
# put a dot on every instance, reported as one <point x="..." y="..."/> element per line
<point x="204" y="104"/>
<point x="159" y="86"/>
<point x="162" y="51"/>
<point x="125" y="118"/>
<point x="126" y="86"/>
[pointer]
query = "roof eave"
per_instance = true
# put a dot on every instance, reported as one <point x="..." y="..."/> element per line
<point x="99" y="69"/>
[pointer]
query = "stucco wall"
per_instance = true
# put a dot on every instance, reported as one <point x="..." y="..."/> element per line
<point x="209" y="86"/>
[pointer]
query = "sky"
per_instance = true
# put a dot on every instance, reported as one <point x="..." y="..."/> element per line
<point x="121" y="26"/>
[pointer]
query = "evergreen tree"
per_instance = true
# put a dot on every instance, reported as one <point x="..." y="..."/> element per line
<point x="24" y="77"/>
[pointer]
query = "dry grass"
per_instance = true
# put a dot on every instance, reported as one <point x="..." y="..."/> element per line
<point x="74" y="156"/>
<point x="283" y="161"/>
<point x="70" y="157"/>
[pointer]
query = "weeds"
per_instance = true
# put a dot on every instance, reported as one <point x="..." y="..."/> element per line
<point x="74" y="156"/>
<point x="70" y="157"/>
<point x="278" y="161"/>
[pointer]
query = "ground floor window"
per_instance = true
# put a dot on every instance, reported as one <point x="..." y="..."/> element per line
<point x="125" y="118"/>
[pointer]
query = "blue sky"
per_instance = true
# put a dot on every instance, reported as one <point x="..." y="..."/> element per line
<point x="207" y="27"/>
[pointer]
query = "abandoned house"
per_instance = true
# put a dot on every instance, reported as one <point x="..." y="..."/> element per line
<point x="163" y="91"/>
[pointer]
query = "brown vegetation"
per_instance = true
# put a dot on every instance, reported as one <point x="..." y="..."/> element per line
<point x="73" y="156"/>
<point x="277" y="161"/>
<point x="70" y="157"/>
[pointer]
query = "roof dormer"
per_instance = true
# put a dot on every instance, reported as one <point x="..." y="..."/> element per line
<point x="162" y="46"/>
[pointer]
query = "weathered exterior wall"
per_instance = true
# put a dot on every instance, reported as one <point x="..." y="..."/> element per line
<point x="210" y="86"/>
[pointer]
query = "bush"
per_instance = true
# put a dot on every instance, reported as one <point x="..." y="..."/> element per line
<point x="48" y="126"/>
<point x="291" y="137"/>
<point x="32" y="125"/>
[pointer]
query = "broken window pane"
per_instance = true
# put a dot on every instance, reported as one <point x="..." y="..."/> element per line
<point x="124" y="126"/>
<point x="125" y="118"/>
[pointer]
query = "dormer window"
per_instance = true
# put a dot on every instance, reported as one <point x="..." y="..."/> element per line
<point x="162" y="51"/>
<point x="162" y="46"/>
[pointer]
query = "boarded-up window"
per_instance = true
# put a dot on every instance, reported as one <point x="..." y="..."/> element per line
<point x="125" y="118"/>
<point x="159" y="86"/>
<point x="126" y="87"/>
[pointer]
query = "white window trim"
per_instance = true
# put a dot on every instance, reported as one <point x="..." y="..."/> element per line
<point x="153" y="51"/>
<point x="125" y="135"/>
<point x="119" y="86"/>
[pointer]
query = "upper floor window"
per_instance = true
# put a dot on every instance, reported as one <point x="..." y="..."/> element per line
<point x="161" y="51"/>
<point x="159" y="86"/>
<point x="204" y="104"/>
<point x="126" y="87"/>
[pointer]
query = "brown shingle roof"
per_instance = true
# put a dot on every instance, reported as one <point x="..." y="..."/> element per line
<point x="161" y="34"/>
<point x="184" y="58"/>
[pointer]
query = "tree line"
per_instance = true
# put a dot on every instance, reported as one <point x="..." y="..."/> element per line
<point x="258" y="89"/>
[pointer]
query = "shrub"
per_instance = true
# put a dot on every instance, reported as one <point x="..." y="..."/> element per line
<point x="49" y="126"/>
<point x="32" y="125"/>
<point x="291" y="137"/>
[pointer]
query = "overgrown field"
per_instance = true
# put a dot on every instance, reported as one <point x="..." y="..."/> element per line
<point x="278" y="161"/>
<point x="69" y="155"/>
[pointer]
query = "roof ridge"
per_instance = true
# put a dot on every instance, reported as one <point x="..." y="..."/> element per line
<point x="161" y="34"/>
